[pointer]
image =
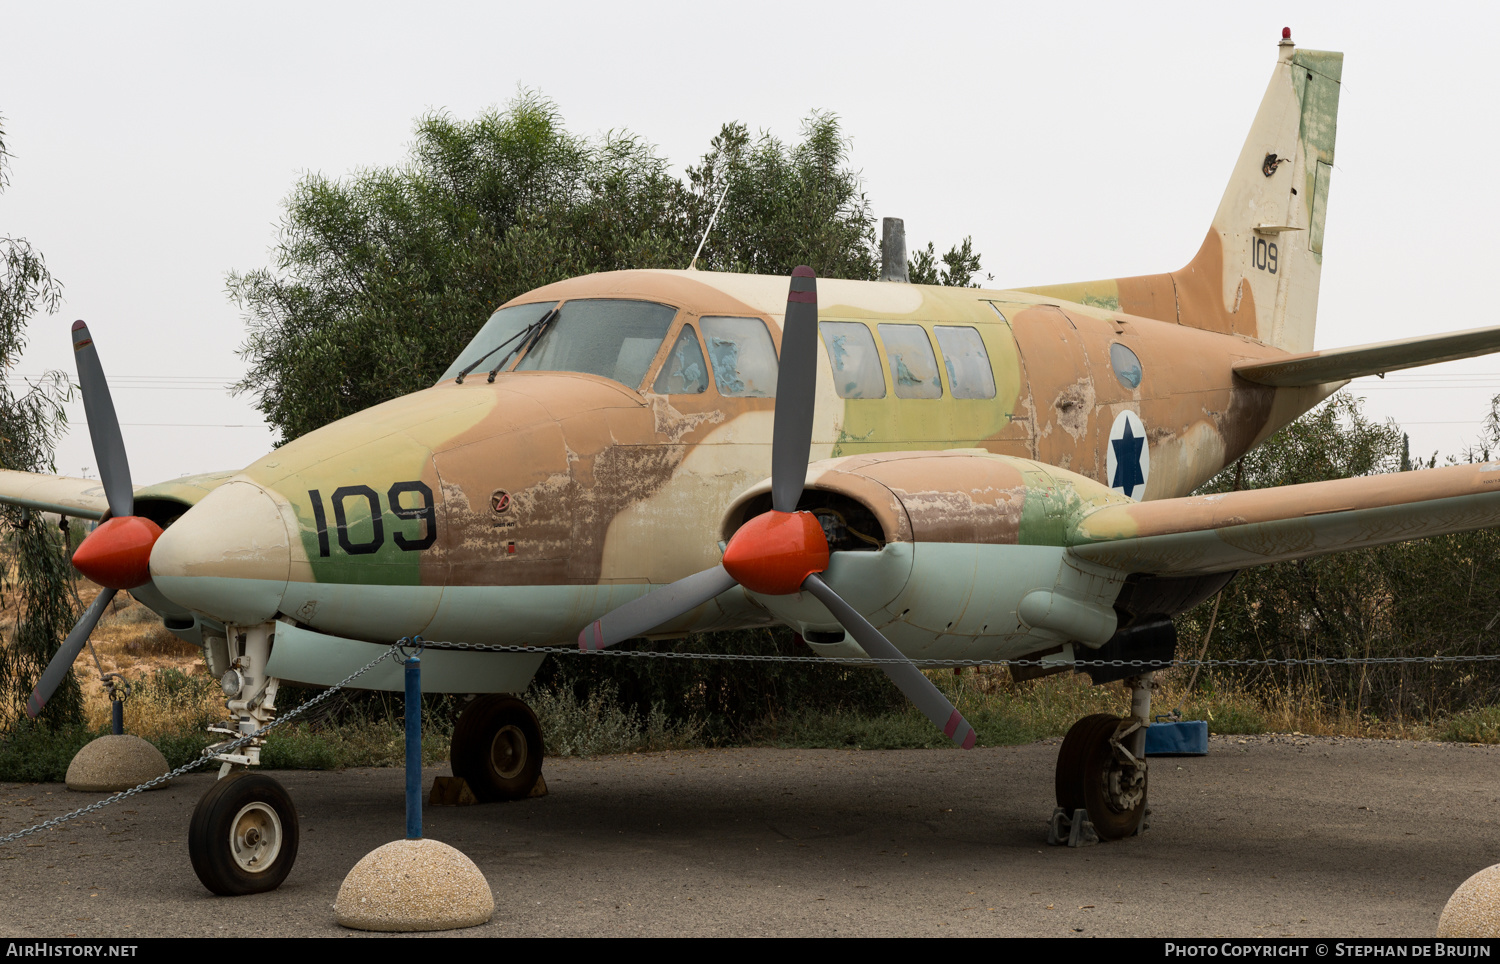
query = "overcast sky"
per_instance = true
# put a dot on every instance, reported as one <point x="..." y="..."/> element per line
<point x="154" y="144"/>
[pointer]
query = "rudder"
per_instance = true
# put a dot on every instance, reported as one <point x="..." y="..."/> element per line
<point x="1258" y="270"/>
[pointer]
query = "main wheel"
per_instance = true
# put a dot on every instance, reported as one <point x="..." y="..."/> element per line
<point x="497" y="748"/>
<point x="1091" y="774"/>
<point x="243" y="837"/>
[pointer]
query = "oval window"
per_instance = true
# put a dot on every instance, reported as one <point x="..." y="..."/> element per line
<point x="1127" y="367"/>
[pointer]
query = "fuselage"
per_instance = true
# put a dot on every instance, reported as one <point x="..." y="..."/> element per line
<point x="519" y="508"/>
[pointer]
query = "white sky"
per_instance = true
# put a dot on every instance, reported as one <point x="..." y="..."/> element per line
<point x="155" y="142"/>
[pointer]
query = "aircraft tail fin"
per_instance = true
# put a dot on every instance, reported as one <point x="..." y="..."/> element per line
<point x="1257" y="272"/>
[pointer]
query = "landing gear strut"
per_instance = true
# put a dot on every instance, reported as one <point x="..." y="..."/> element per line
<point x="243" y="838"/>
<point x="497" y="748"/>
<point x="1101" y="770"/>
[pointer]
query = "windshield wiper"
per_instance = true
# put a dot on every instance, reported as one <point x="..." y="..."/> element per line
<point x="530" y="343"/>
<point x="531" y="327"/>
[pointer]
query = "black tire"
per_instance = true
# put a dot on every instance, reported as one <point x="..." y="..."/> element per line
<point x="497" y="748"/>
<point x="243" y="836"/>
<point x="1091" y="776"/>
<point x="1070" y="759"/>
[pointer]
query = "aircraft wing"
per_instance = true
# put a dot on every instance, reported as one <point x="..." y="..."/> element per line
<point x="78" y="498"/>
<point x="1197" y="535"/>
<point x="1341" y="364"/>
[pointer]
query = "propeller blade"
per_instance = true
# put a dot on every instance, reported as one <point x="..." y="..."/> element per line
<point x="917" y="687"/>
<point x="651" y="610"/>
<point x="53" y="675"/>
<point x="104" y="426"/>
<point x="796" y="392"/>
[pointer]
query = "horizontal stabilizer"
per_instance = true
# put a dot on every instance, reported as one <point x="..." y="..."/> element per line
<point x="78" y="498"/>
<point x="1205" y="534"/>
<point x="1342" y="364"/>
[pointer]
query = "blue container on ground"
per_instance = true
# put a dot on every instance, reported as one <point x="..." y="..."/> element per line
<point x="1184" y="738"/>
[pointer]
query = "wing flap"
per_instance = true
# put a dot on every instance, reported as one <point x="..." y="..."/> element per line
<point x="78" y="498"/>
<point x="1198" y="535"/>
<point x="1341" y="364"/>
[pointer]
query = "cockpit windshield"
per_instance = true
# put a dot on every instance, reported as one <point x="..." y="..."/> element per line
<point x="492" y="339"/>
<point x="601" y="336"/>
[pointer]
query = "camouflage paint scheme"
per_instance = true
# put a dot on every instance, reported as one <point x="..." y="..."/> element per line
<point x="553" y="497"/>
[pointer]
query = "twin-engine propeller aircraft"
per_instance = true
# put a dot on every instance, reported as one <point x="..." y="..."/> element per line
<point x="954" y="474"/>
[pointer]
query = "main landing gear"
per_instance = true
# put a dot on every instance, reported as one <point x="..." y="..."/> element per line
<point x="497" y="748"/>
<point x="1101" y="774"/>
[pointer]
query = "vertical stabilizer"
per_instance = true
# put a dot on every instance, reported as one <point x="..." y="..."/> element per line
<point x="1257" y="272"/>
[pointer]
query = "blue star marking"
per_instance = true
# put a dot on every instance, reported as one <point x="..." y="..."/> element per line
<point x="1128" y="473"/>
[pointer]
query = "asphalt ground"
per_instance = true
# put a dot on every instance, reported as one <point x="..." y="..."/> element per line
<point x="1265" y="836"/>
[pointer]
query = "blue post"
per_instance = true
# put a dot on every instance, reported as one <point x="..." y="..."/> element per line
<point x="117" y="717"/>
<point x="413" y="748"/>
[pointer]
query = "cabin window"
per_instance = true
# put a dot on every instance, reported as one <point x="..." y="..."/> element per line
<point x="1126" y="365"/>
<point x="684" y="372"/>
<point x="968" y="364"/>
<point x="503" y="326"/>
<point x="856" y="363"/>
<point x="914" y="369"/>
<point x="601" y="336"/>
<point x="743" y="356"/>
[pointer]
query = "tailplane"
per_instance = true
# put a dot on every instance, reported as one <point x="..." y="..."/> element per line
<point x="1257" y="272"/>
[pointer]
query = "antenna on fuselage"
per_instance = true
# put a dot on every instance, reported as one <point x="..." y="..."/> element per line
<point x="710" y="227"/>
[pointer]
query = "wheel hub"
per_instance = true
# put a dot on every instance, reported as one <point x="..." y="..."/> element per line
<point x="255" y="837"/>
<point x="508" y="752"/>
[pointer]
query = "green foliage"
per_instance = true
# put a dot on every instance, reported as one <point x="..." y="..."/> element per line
<point x="597" y="723"/>
<point x="727" y="699"/>
<point x="381" y="278"/>
<point x="1435" y="596"/>
<point x="786" y="206"/>
<point x="30" y="423"/>
<point x="960" y="265"/>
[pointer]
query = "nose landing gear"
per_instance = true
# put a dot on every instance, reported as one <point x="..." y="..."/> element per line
<point x="243" y="837"/>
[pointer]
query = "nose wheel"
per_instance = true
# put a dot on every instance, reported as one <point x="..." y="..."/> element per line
<point x="497" y="748"/>
<point x="1098" y="772"/>
<point x="243" y="836"/>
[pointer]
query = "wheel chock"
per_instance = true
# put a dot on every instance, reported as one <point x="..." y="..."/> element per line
<point x="451" y="792"/>
<point x="539" y="789"/>
<point x="1072" y="831"/>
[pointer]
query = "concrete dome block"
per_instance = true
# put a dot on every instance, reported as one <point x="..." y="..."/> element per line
<point x="414" y="885"/>
<point x="113" y="763"/>
<point x="1474" y="908"/>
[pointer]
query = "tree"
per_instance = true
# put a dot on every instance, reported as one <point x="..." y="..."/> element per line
<point x="381" y="278"/>
<point x="30" y="422"/>
<point x="960" y="265"/>
<point x="786" y="205"/>
<point x="1432" y="596"/>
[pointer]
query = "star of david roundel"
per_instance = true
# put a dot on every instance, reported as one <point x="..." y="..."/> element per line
<point x="1129" y="457"/>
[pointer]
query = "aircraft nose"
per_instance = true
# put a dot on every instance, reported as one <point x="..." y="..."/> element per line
<point x="228" y="556"/>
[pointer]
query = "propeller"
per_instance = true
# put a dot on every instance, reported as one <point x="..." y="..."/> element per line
<point x="117" y="554"/>
<point x="782" y="551"/>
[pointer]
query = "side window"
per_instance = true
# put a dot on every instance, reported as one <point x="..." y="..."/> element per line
<point x="914" y="369"/>
<point x="683" y="373"/>
<point x="743" y="356"/>
<point x="856" y="363"/>
<point x="1126" y="365"/>
<point x="968" y="364"/>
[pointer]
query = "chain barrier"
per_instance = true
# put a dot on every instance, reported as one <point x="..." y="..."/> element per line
<point x="208" y="754"/>
<point x="1155" y="664"/>
<point x="734" y="657"/>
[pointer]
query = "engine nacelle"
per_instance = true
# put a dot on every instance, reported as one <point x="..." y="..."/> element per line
<point x="951" y="554"/>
